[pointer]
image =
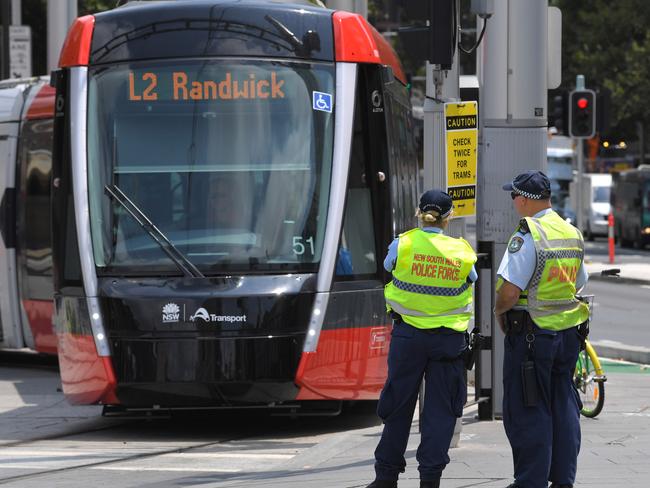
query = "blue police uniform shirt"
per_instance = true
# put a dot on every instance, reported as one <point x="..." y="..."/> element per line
<point x="518" y="267"/>
<point x="391" y="256"/>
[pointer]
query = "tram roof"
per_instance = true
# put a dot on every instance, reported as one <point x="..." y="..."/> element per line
<point x="294" y="29"/>
<point x="311" y="3"/>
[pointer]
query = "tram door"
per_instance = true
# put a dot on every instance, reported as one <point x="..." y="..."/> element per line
<point x="10" y="335"/>
<point x="382" y="191"/>
<point x="366" y="223"/>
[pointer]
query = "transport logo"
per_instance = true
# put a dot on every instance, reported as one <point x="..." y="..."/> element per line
<point x="202" y="314"/>
<point x="171" y="313"/>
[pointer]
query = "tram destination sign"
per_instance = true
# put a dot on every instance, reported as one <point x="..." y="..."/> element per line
<point x="461" y="138"/>
<point x="180" y="86"/>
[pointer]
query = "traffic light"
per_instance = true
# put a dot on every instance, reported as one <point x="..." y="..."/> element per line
<point x="559" y="116"/>
<point x="582" y="114"/>
<point x="430" y="34"/>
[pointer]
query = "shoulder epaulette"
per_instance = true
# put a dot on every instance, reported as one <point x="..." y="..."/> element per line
<point x="523" y="226"/>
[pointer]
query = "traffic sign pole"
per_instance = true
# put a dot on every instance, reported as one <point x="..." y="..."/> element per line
<point x="579" y="172"/>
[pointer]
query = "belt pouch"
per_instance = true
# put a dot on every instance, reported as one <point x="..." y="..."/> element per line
<point x="529" y="382"/>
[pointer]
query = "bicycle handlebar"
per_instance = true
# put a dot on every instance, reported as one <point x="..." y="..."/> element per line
<point x="611" y="272"/>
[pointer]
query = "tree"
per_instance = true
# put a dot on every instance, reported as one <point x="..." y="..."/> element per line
<point x="87" y="7"/>
<point x="609" y="43"/>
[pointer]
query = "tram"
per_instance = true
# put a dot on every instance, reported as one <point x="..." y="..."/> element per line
<point x="26" y="120"/>
<point x="226" y="178"/>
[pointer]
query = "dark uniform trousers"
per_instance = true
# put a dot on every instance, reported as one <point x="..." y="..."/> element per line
<point x="545" y="439"/>
<point x="414" y="353"/>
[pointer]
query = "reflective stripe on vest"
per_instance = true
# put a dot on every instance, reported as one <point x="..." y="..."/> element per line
<point x="429" y="288"/>
<point x="559" y="250"/>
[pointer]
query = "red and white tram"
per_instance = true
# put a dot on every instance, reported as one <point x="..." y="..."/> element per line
<point x="226" y="176"/>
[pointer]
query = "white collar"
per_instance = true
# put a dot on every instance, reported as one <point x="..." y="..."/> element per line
<point x="541" y="213"/>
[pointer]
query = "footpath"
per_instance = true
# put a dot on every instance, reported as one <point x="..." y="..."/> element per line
<point x="614" y="454"/>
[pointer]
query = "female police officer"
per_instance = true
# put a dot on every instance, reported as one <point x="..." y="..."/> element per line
<point x="430" y="298"/>
<point x="537" y="309"/>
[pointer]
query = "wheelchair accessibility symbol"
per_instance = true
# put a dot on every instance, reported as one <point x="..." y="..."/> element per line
<point x="322" y="101"/>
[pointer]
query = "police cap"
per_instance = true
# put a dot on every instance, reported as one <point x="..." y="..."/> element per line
<point x="531" y="184"/>
<point x="438" y="201"/>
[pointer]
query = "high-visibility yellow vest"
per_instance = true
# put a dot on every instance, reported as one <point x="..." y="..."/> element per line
<point x="559" y="248"/>
<point x="429" y="288"/>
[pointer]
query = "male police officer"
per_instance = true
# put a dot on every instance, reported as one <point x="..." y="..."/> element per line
<point x="430" y="298"/>
<point x="537" y="309"/>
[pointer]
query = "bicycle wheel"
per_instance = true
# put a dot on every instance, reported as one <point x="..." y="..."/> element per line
<point x="590" y="388"/>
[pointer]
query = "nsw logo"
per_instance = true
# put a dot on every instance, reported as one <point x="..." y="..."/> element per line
<point x="171" y="313"/>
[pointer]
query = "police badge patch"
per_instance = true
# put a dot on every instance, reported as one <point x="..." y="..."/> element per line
<point x="515" y="244"/>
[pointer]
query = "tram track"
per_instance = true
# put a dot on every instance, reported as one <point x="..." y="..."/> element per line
<point x="26" y="442"/>
<point x="135" y="446"/>
<point x="135" y="457"/>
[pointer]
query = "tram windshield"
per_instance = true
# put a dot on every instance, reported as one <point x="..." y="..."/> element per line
<point x="230" y="159"/>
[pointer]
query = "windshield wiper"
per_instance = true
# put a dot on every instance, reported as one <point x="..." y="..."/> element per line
<point x="310" y="40"/>
<point x="184" y="264"/>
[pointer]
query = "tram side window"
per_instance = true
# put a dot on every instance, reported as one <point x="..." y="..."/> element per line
<point x="402" y="162"/>
<point x="36" y="169"/>
<point x="357" y="253"/>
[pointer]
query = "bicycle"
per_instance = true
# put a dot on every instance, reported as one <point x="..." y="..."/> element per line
<point x="589" y="377"/>
<point x="589" y="380"/>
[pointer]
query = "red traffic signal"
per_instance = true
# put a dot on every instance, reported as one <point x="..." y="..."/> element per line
<point x="582" y="114"/>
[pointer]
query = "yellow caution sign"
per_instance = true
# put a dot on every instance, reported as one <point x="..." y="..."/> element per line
<point x="461" y="137"/>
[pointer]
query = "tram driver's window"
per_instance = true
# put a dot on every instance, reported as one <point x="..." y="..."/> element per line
<point x="357" y="254"/>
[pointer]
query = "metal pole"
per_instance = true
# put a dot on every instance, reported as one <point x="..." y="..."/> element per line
<point x="580" y="85"/>
<point x="16" y="12"/>
<point x="5" y="11"/>
<point x="579" y="189"/>
<point x="358" y="6"/>
<point x="512" y="70"/>
<point x="60" y="15"/>
<point x="441" y="86"/>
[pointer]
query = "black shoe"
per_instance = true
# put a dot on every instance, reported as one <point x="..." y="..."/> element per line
<point x="555" y="485"/>
<point x="430" y="484"/>
<point x="513" y="485"/>
<point x="383" y="484"/>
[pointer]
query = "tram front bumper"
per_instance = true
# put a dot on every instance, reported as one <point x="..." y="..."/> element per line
<point x="206" y="371"/>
